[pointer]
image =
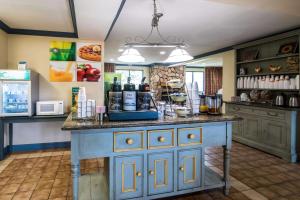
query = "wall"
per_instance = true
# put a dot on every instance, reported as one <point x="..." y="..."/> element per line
<point x="3" y="49"/>
<point x="228" y="74"/>
<point x="159" y="75"/>
<point x="35" y="50"/>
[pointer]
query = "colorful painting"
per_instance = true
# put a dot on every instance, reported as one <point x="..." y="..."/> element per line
<point x="62" y="71"/>
<point x="88" y="71"/>
<point x="88" y="52"/>
<point x="62" y="51"/>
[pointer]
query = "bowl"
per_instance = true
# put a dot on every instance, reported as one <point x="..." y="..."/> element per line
<point x="178" y="97"/>
<point x="182" y="111"/>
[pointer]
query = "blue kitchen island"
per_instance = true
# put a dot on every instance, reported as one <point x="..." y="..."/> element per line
<point x="150" y="159"/>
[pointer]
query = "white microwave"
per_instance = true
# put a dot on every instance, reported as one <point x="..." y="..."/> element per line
<point x="49" y="108"/>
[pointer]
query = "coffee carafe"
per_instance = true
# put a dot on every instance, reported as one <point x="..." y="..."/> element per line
<point x="115" y="96"/>
<point x="144" y="96"/>
<point x="129" y="96"/>
<point x="215" y="103"/>
<point x="203" y="105"/>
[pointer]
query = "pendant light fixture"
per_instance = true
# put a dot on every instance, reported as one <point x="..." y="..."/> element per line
<point x="131" y="55"/>
<point x="177" y="55"/>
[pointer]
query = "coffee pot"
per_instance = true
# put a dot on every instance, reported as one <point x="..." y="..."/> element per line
<point x="214" y="103"/>
<point x="293" y="101"/>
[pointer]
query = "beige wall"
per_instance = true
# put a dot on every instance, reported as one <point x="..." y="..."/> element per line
<point x="228" y="74"/>
<point x="35" y="50"/>
<point x="3" y="49"/>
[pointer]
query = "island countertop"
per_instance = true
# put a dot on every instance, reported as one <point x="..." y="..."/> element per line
<point x="71" y="124"/>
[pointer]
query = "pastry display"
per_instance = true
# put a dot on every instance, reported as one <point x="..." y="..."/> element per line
<point x="90" y="52"/>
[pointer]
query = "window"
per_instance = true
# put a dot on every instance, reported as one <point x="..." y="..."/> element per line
<point x="136" y="76"/>
<point x="192" y="76"/>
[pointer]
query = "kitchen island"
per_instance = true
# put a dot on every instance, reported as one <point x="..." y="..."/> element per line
<point x="150" y="159"/>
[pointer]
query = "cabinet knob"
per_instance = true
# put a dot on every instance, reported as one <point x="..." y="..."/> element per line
<point x="129" y="141"/>
<point x="191" y="136"/>
<point x="161" y="139"/>
<point x="139" y="174"/>
<point x="181" y="169"/>
<point x="151" y="172"/>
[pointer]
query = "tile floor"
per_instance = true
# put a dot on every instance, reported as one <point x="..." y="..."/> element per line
<point x="255" y="175"/>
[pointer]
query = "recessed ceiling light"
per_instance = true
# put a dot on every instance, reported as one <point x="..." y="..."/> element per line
<point x="121" y="50"/>
<point x="112" y="59"/>
<point x="162" y="53"/>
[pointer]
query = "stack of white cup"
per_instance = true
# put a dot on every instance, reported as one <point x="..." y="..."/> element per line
<point x="82" y="105"/>
<point x="193" y="92"/>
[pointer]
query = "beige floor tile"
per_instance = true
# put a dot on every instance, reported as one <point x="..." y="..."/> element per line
<point x="253" y="195"/>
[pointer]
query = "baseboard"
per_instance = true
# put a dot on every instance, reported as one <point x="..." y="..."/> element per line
<point x="38" y="146"/>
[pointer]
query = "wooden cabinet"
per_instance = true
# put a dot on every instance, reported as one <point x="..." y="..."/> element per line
<point x="275" y="133"/>
<point x="189" y="170"/>
<point x="272" y="130"/>
<point x="252" y="128"/>
<point x="160" y="173"/>
<point x="129" y="177"/>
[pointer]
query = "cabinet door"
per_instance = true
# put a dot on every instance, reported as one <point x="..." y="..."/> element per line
<point x="129" y="177"/>
<point x="189" y="169"/>
<point x="275" y="133"/>
<point x="252" y="128"/>
<point x="160" y="174"/>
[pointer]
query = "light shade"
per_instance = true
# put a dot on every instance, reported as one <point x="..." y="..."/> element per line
<point x="131" y="55"/>
<point x="178" y="55"/>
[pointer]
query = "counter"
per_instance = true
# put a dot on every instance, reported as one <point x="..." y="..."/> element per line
<point x="262" y="105"/>
<point x="149" y="159"/>
<point x="269" y="128"/>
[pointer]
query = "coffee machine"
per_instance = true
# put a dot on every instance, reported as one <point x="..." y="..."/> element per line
<point x="214" y="103"/>
<point x="115" y="97"/>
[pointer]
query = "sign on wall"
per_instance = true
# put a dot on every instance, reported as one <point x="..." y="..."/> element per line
<point x="70" y="61"/>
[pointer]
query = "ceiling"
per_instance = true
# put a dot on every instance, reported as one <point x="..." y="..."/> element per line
<point x="205" y="25"/>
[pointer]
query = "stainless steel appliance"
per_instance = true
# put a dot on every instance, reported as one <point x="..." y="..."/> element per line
<point x="19" y="91"/>
<point x="279" y="101"/>
<point x="49" y="108"/>
<point x="293" y="101"/>
<point x="214" y="103"/>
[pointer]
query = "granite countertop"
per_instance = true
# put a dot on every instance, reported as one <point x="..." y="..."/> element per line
<point x="262" y="105"/>
<point x="71" y="124"/>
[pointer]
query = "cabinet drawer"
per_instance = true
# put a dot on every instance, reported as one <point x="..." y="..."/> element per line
<point x="128" y="141"/>
<point x="270" y="113"/>
<point x="160" y="138"/>
<point x="189" y="136"/>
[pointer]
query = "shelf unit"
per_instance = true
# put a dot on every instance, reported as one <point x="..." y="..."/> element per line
<point x="270" y="58"/>
<point x="268" y="49"/>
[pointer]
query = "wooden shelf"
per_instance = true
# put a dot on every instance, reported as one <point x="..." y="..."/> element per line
<point x="271" y="73"/>
<point x="270" y="58"/>
<point x="286" y="90"/>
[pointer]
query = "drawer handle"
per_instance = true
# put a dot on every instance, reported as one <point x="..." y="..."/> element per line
<point x="181" y="169"/>
<point x="151" y="172"/>
<point x="129" y="141"/>
<point x="161" y="139"/>
<point x="272" y="114"/>
<point x="138" y="174"/>
<point x="191" y="136"/>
